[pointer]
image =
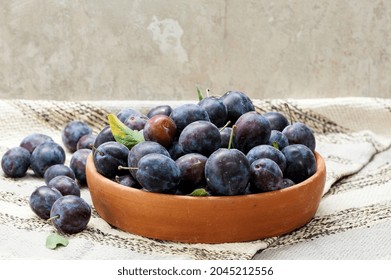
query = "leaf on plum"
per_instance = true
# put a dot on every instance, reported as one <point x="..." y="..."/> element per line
<point x="124" y="134"/>
<point x="275" y="145"/>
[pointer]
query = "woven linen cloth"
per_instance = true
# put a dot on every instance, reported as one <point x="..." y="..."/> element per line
<point x="353" y="136"/>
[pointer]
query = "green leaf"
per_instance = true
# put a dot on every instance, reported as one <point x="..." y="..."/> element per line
<point x="124" y="134"/>
<point x="275" y="145"/>
<point x="54" y="240"/>
<point x="199" y="192"/>
<point x="199" y="93"/>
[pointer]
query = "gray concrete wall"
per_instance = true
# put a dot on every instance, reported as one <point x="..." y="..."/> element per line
<point x="149" y="50"/>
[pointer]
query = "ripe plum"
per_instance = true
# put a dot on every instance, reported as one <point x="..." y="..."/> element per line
<point x="158" y="173"/>
<point x="46" y="155"/>
<point x="70" y="214"/>
<point x="141" y="149"/>
<point x="30" y="142"/>
<point x="216" y="110"/>
<point x="185" y="114"/>
<point x="136" y="122"/>
<point x="300" y="133"/>
<point x="105" y="135"/>
<point x="175" y="150"/>
<point x="86" y="141"/>
<point x="128" y="181"/>
<point x="278" y="139"/>
<point x="237" y="104"/>
<point x="72" y="132"/>
<point x="265" y="175"/>
<point x="227" y="172"/>
<point x="267" y="151"/>
<point x="192" y="168"/>
<point x="300" y="162"/>
<point x="200" y="137"/>
<point x="277" y="120"/>
<point x="78" y="164"/>
<point x="160" y="129"/>
<point x="57" y="170"/>
<point x="15" y="162"/>
<point x="109" y="156"/>
<point x="252" y="129"/>
<point x="65" y="185"/>
<point x="126" y="113"/>
<point x="159" y="110"/>
<point x="42" y="199"/>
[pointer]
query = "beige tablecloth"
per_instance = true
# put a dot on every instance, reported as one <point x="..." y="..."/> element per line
<point x="352" y="222"/>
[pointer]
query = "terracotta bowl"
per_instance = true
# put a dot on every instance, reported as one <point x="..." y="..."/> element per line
<point x="206" y="219"/>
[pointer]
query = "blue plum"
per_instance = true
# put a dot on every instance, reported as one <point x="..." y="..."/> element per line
<point x="42" y="199"/>
<point x="200" y="137"/>
<point x="64" y="185"/>
<point x="105" y="135"/>
<point x="237" y="103"/>
<point x="108" y="157"/>
<point x="265" y="176"/>
<point x="277" y="120"/>
<point x="192" y="168"/>
<point x="300" y="133"/>
<point x="300" y="162"/>
<point x="128" y="181"/>
<point x="46" y="155"/>
<point x="136" y="122"/>
<point x="126" y="113"/>
<point x="225" y="134"/>
<point x="175" y="150"/>
<point x="160" y="110"/>
<point x="185" y="114"/>
<point x="227" y="172"/>
<point x="286" y="182"/>
<point x="86" y="141"/>
<point x="141" y="149"/>
<point x="70" y="214"/>
<point x="15" y="162"/>
<point x="267" y="151"/>
<point x="216" y="109"/>
<point x="78" y="164"/>
<point x="278" y="139"/>
<point x="31" y="141"/>
<point x="57" y="170"/>
<point x="72" y="132"/>
<point x="158" y="173"/>
<point x="252" y="129"/>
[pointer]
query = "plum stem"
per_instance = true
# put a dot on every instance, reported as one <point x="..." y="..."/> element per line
<point x="53" y="218"/>
<point x="227" y="124"/>
<point x="231" y="137"/>
<point x="207" y="92"/>
<point x="127" y="168"/>
<point x="96" y="150"/>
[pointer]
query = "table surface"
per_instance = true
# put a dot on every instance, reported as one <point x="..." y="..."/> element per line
<point x="353" y="220"/>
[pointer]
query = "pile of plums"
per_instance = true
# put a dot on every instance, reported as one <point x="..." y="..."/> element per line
<point x="220" y="144"/>
<point x="59" y="198"/>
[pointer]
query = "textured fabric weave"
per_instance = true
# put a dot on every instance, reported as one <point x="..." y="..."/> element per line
<point x="353" y="135"/>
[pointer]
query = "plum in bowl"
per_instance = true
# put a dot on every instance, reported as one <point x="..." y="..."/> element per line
<point x="208" y="219"/>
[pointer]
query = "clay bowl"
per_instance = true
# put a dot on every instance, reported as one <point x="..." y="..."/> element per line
<point x="206" y="219"/>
